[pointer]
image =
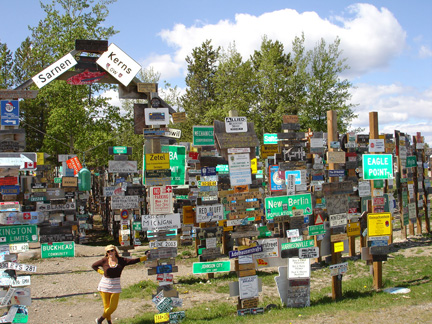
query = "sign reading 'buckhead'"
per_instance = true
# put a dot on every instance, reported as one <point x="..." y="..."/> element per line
<point x="119" y="64"/>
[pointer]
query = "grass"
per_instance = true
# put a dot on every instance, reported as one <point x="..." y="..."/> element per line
<point x="358" y="294"/>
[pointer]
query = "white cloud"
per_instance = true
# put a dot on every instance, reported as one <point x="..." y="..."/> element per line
<point x="164" y="64"/>
<point x="425" y="52"/>
<point x="370" y="37"/>
<point x="401" y="108"/>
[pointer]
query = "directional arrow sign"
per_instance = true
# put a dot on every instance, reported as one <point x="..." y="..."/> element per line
<point x="24" y="161"/>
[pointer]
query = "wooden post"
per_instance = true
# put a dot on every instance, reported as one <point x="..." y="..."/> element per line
<point x="373" y="134"/>
<point x="332" y="136"/>
<point x="400" y="187"/>
<point x="416" y="189"/>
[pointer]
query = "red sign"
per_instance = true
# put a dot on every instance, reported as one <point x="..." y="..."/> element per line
<point x="378" y="201"/>
<point x="194" y="155"/>
<point x="26" y="216"/>
<point x="86" y="77"/>
<point x="74" y="164"/>
<point x="124" y="214"/>
<point x="8" y="181"/>
<point x="319" y="219"/>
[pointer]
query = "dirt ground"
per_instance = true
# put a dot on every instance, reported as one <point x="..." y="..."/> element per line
<point x="64" y="290"/>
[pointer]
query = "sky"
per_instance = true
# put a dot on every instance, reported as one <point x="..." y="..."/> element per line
<point x="388" y="43"/>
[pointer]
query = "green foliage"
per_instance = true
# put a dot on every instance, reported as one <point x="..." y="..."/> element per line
<point x="6" y="63"/>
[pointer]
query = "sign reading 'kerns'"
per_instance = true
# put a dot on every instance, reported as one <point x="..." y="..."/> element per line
<point x="119" y="64"/>
<point x="54" y="70"/>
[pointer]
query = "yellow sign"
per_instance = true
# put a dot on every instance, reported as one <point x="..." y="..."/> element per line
<point x="338" y="247"/>
<point x="353" y="229"/>
<point x="269" y="150"/>
<point x="379" y="224"/>
<point x="161" y="318"/>
<point x="207" y="183"/>
<point x="157" y="161"/>
<point x="254" y="166"/>
<point x="40" y="158"/>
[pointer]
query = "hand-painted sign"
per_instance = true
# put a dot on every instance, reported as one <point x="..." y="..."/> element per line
<point x="207" y="213"/>
<point x="160" y="222"/>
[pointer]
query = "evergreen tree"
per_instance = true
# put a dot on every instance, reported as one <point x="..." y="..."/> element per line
<point x="6" y="63"/>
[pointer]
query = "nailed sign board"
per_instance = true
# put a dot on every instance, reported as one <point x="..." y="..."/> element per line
<point x="125" y="202"/>
<point x="248" y="287"/>
<point x="338" y="219"/>
<point x="298" y="268"/>
<point x="57" y="249"/>
<point x="284" y="205"/>
<point x="119" y="64"/>
<point x="208" y="267"/>
<point x="235" y="124"/>
<point x="309" y="253"/>
<point x="336" y="157"/>
<point x="157" y="161"/>
<point x="54" y="70"/>
<point x="160" y="222"/>
<point x="203" y="135"/>
<point x="379" y="224"/>
<point x="209" y="213"/>
<point x="161" y="200"/>
<point x="122" y="167"/>
<point x="156" y="116"/>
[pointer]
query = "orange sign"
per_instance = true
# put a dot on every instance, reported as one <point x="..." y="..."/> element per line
<point x="242" y="188"/>
<point x="188" y="215"/>
<point x="74" y="164"/>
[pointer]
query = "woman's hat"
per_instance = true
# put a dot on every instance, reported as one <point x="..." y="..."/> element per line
<point x="110" y="247"/>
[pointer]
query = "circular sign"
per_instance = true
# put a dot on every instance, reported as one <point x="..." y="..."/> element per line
<point x="124" y="214"/>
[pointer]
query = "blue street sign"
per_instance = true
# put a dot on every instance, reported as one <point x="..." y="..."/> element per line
<point x="9" y="111"/>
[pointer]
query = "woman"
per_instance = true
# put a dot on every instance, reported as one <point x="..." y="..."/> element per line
<point x="109" y="287"/>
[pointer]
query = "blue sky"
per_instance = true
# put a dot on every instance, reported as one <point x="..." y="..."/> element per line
<point x="388" y="44"/>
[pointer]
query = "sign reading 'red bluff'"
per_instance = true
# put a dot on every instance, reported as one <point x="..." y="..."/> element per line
<point x="119" y="64"/>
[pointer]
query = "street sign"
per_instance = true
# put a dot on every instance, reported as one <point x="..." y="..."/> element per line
<point x="235" y="124"/>
<point x="203" y="135"/>
<point x="208" y="267"/>
<point x="377" y="166"/>
<point x="119" y="64"/>
<point x="57" y="249"/>
<point x="297" y="245"/>
<point x="9" y="112"/>
<point x="284" y="205"/>
<point x="54" y="70"/>
<point x="122" y="167"/>
<point x="21" y="160"/>
<point x="316" y="229"/>
<point x="157" y="161"/>
<point x="270" y="138"/>
<point x="379" y="224"/>
<point x="119" y="150"/>
<point x="18" y="234"/>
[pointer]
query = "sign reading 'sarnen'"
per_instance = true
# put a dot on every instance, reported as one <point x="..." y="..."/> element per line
<point x="54" y="70"/>
<point x="119" y="64"/>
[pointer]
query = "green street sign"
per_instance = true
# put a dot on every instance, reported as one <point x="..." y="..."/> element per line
<point x="120" y="149"/>
<point x="316" y="230"/>
<point x="18" y="234"/>
<point x="57" y="250"/>
<point x="208" y="267"/>
<point x="33" y="199"/>
<point x="297" y="245"/>
<point x="411" y="161"/>
<point x="137" y="226"/>
<point x="177" y="161"/>
<point x="284" y="205"/>
<point x="203" y="135"/>
<point x="377" y="166"/>
<point x="57" y="180"/>
<point x="270" y="138"/>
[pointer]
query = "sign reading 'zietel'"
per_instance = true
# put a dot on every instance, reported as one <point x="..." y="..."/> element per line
<point x="120" y="65"/>
<point x="54" y="70"/>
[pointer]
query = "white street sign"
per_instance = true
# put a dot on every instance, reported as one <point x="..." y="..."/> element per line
<point x="54" y="70"/>
<point x="24" y="160"/>
<point x="119" y="64"/>
<point x="160" y="222"/>
<point x="236" y="124"/>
